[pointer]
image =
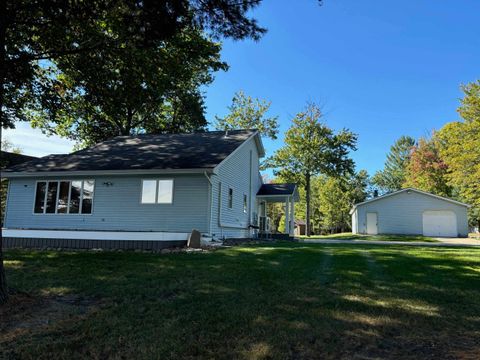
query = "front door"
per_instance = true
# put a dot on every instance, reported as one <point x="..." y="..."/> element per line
<point x="372" y="224"/>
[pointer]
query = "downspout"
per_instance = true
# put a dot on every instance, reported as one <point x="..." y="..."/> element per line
<point x="211" y="203"/>
<point x="250" y="192"/>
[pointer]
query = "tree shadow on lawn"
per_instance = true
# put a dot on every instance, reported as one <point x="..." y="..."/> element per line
<point x="268" y="301"/>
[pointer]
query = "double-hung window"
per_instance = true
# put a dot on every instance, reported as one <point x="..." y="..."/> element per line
<point x="64" y="197"/>
<point x="157" y="191"/>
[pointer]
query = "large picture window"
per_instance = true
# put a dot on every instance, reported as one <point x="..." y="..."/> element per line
<point x="64" y="197"/>
<point x="157" y="191"/>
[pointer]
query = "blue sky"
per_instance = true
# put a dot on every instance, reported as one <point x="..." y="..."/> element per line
<point x="379" y="68"/>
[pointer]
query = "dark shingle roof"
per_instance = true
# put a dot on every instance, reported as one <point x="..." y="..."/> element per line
<point x="8" y="159"/>
<point x="277" y="189"/>
<point x="145" y="152"/>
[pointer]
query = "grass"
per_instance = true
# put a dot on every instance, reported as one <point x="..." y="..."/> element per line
<point x="380" y="237"/>
<point x="267" y="301"/>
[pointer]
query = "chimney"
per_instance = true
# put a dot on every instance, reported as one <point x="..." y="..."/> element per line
<point x="375" y="193"/>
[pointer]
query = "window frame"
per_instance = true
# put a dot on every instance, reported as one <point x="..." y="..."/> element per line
<point x="157" y="182"/>
<point x="59" y="181"/>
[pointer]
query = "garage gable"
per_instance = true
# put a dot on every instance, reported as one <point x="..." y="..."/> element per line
<point x="409" y="190"/>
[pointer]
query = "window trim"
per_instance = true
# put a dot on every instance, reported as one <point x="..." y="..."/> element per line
<point x="156" y="191"/>
<point x="44" y="213"/>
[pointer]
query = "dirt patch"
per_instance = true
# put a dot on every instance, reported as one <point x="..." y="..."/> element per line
<point x="26" y="314"/>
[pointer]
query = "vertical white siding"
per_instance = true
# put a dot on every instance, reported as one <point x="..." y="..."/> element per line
<point x="403" y="213"/>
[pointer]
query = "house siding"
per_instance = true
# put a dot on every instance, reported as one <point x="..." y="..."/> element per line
<point x="403" y="213"/>
<point x="117" y="207"/>
<point x="241" y="173"/>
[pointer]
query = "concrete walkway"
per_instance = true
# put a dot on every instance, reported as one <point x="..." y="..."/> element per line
<point x="442" y="242"/>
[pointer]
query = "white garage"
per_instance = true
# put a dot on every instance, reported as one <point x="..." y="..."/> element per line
<point x="411" y="212"/>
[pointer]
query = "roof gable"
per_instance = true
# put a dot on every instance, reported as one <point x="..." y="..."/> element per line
<point x="408" y="190"/>
<point x="201" y="151"/>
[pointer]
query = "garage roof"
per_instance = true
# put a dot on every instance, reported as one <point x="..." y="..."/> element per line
<point x="408" y="190"/>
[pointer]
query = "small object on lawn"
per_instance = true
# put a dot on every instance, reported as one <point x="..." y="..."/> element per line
<point x="194" y="239"/>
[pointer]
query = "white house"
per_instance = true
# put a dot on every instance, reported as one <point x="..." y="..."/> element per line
<point x="145" y="191"/>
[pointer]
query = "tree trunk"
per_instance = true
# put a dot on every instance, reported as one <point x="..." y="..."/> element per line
<point x="307" y="192"/>
<point x="3" y="32"/>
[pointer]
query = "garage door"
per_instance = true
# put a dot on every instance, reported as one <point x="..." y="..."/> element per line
<point x="440" y="223"/>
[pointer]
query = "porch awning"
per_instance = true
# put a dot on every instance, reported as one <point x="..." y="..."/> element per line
<point x="278" y="192"/>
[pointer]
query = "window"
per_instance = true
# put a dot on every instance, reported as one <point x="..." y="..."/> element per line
<point x="230" y="198"/>
<point x="63" y="194"/>
<point x="149" y="191"/>
<point x="76" y="193"/>
<point x="64" y="197"/>
<point x="165" y="191"/>
<point x="157" y="191"/>
<point x="40" y="197"/>
<point x="52" y="197"/>
<point x="245" y="203"/>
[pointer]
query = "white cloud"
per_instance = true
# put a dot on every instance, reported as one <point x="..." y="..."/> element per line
<point x="33" y="142"/>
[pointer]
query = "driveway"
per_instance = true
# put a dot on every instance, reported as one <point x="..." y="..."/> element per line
<point x="442" y="242"/>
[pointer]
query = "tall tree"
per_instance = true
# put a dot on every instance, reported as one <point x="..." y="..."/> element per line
<point x="392" y="177"/>
<point x="127" y="91"/>
<point x="35" y="32"/>
<point x="312" y="148"/>
<point x="426" y="169"/>
<point x="249" y="113"/>
<point x="460" y="149"/>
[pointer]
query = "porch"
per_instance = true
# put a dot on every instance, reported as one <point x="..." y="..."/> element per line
<point x="287" y="194"/>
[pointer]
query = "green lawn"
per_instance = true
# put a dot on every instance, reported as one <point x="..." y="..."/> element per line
<point x="280" y="301"/>
<point x="381" y="237"/>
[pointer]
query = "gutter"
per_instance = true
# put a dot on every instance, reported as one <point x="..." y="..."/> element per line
<point x="37" y="174"/>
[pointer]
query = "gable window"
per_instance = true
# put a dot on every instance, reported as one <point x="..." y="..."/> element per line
<point x="64" y="197"/>
<point x="245" y="203"/>
<point x="230" y="198"/>
<point x="157" y="191"/>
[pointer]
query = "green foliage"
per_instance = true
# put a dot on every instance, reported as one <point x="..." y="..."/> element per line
<point x="460" y="149"/>
<point x="312" y="148"/>
<point x="128" y="90"/>
<point x="35" y="32"/>
<point x="392" y="177"/>
<point x="426" y="169"/>
<point x="249" y="113"/>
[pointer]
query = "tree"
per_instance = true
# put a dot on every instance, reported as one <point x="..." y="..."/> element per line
<point x="312" y="148"/>
<point x="32" y="33"/>
<point x="7" y="145"/>
<point x="460" y="149"/>
<point x="48" y="30"/>
<point x="426" y="169"/>
<point x="249" y="113"/>
<point x="392" y="177"/>
<point x="127" y="91"/>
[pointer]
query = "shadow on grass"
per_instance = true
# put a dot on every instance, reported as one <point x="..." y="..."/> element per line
<point x="380" y="237"/>
<point x="284" y="300"/>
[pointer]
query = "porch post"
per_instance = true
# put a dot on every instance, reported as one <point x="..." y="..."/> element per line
<point x="292" y="216"/>
<point x="287" y="215"/>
